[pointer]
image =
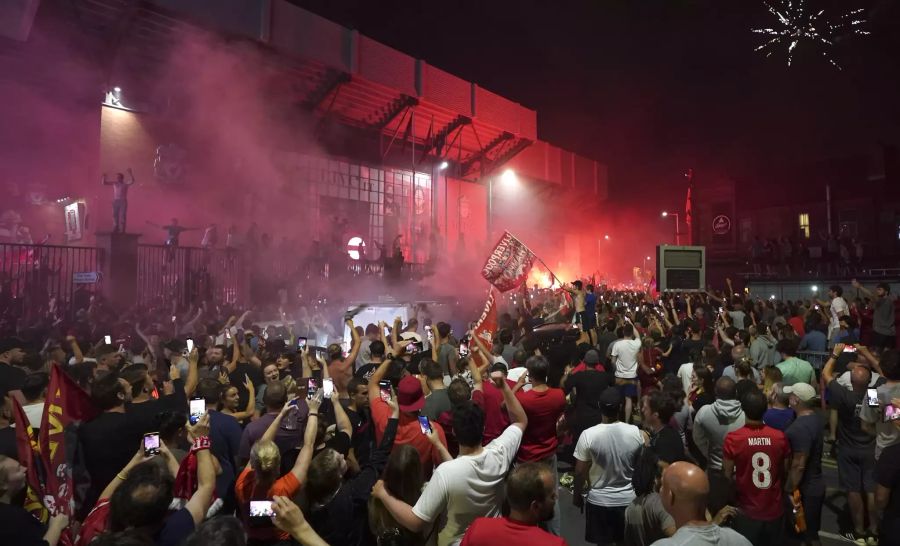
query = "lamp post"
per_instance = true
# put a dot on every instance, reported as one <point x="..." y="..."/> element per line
<point x="677" y="225"/>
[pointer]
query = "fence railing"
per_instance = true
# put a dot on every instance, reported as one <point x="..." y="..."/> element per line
<point x="34" y="276"/>
<point x="187" y="274"/>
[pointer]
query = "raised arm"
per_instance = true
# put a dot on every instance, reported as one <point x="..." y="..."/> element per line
<point x="193" y="376"/>
<point x="206" y="473"/>
<point x="395" y="334"/>
<point x="301" y="466"/>
<point x="828" y="370"/>
<point x="76" y="349"/>
<point x="235" y="357"/>
<point x="378" y="375"/>
<point x="131" y="176"/>
<point x="250" y="410"/>
<point x="342" y="422"/>
<point x="354" y="348"/>
<point x="272" y="430"/>
<point x="289" y="518"/>
<point x="517" y="415"/>
<point x="861" y="288"/>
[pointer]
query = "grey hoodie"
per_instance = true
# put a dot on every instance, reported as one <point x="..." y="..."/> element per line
<point x="712" y="423"/>
<point x="762" y="351"/>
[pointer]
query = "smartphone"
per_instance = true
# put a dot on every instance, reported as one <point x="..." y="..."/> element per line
<point x="426" y="426"/>
<point x="151" y="444"/>
<point x="328" y="386"/>
<point x="872" y="397"/>
<point x="891" y="413"/>
<point x="464" y="348"/>
<point x="174" y="318"/>
<point x="107" y="339"/>
<point x="311" y="388"/>
<point x="261" y="509"/>
<point x="190" y="345"/>
<point x="301" y="342"/>
<point x="429" y="333"/>
<point x="412" y="348"/>
<point x="384" y="386"/>
<point x="197" y="409"/>
<point x="227" y="334"/>
<point x="850" y="349"/>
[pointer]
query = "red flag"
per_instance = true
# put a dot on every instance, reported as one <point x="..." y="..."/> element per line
<point x="66" y="406"/>
<point x="487" y="324"/>
<point x="509" y="263"/>
<point x="27" y="448"/>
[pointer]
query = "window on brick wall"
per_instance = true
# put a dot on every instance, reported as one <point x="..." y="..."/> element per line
<point x="804" y="224"/>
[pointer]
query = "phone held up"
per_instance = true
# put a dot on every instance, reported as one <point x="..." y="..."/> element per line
<point x="261" y="513"/>
<point x="151" y="444"/>
<point x="197" y="408"/>
<point x="425" y="424"/>
<point x="384" y="387"/>
<point x="311" y="388"/>
<point x="872" y="398"/>
<point x="327" y="387"/>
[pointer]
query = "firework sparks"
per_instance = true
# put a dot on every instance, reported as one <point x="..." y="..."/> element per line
<point x="797" y="24"/>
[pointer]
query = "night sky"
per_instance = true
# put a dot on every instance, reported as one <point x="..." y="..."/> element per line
<point x="651" y="87"/>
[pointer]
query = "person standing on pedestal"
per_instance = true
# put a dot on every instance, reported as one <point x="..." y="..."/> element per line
<point x="120" y="198"/>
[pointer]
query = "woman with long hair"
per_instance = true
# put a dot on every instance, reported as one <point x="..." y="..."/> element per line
<point x="404" y="479"/>
<point x="230" y="399"/>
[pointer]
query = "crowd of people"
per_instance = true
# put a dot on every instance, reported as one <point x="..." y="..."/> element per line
<point x="833" y="254"/>
<point x="686" y="419"/>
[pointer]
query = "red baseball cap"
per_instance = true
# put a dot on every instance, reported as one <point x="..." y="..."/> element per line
<point x="410" y="397"/>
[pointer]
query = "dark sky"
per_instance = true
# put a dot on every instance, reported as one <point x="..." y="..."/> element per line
<point x="651" y="87"/>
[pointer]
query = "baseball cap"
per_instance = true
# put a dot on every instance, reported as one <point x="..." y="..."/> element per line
<point x="409" y="394"/>
<point x="592" y="357"/>
<point x="610" y="398"/>
<point x="803" y="391"/>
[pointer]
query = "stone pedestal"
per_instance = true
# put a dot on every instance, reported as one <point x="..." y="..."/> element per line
<point x="119" y="266"/>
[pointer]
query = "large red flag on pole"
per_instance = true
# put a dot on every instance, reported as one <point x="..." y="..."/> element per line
<point x="509" y="263"/>
<point x="487" y="324"/>
<point x="66" y="407"/>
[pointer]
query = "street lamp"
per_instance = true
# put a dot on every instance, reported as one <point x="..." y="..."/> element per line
<point x="666" y="214"/>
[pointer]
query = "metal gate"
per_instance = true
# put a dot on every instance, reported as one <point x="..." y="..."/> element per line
<point x="189" y="274"/>
<point x="32" y="277"/>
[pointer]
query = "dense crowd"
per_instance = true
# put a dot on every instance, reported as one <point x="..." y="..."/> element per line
<point x="686" y="418"/>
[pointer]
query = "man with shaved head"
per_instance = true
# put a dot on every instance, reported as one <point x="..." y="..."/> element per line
<point x="684" y="491"/>
<point x="855" y="443"/>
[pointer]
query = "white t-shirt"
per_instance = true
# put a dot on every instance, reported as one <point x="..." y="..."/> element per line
<point x="625" y="353"/>
<point x="685" y="372"/>
<point x="611" y="448"/>
<point x="469" y="487"/>
<point x="839" y="308"/>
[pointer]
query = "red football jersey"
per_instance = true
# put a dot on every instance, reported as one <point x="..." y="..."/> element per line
<point x="758" y="454"/>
